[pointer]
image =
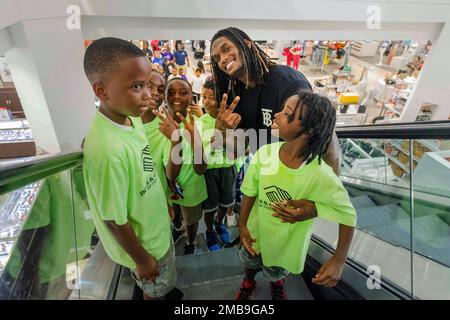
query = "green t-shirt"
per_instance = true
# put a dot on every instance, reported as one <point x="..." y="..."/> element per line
<point x="123" y="186"/>
<point x="158" y="144"/>
<point x="268" y="179"/>
<point x="193" y="185"/>
<point x="216" y="157"/>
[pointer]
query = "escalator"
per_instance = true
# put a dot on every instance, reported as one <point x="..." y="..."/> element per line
<point x="401" y="250"/>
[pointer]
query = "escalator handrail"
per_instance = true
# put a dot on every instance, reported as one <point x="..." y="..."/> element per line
<point x="18" y="175"/>
<point x="406" y="130"/>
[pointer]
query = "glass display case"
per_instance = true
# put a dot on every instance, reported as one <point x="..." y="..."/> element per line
<point x="16" y="139"/>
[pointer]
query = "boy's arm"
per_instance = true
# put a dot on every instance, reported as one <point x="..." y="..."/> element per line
<point x="333" y="156"/>
<point x="246" y="239"/>
<point x="187" y="59"/>
<point x="146" y="264"/>
<point x="330" y="272"/>
<point x="173" y="169"/>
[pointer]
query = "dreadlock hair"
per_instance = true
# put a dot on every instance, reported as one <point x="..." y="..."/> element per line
<point x="256" y="63"/>
<point x="103" y="56"/>
<point x="319" y="121"/>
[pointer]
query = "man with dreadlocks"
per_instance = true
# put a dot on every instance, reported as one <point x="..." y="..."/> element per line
<point x="273" y="241"/>
<point x="243" y="71"/>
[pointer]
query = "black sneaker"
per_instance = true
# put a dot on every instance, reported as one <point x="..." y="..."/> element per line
<point x="190" y="248"/>
<point x="174" y="295"/>
<point x="177" y="234"/>
<point x="233" y="243"/>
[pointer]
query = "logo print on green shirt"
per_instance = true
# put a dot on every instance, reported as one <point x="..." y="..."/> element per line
<point x="147" y="161"/>
<point x="276" y="194"/>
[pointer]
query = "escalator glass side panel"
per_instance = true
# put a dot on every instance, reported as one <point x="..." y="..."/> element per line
<point x="401" y="194"/>
<point x="431" y="219"/>
<point x="47" y="240"/>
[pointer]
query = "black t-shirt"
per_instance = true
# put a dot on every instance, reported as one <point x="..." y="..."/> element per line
<point x="257" y="106"/>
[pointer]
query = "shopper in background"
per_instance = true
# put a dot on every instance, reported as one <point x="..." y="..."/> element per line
<point x="125" y="194"/>
<point x="181" y="74"/>
<point x="277" y="243"/>
<point x="174" y="74"/>
<point x="181" y="58"/>
<point x="296" y="51"/>
<point x="288" y="54"/>
<point x="157" y="58"/>
<point x="197" y="82"/>
<point x="167" y="67"/>
<point x="165" y="52"/>
<point x="201" y="67"/>
<point x="146" y="50"/>
<point x="155" y="45"/>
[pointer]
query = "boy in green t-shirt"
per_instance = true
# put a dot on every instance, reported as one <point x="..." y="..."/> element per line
<point x="184" y="158"/>
<point x="220" y="177"/>
<point x="125" y="194"/>
<point x="281" y="176"/>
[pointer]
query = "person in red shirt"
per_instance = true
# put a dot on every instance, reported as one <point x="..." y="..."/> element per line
<point x="296" y="51"/>
<point x="287" y="53"/>
<point x="155" y="45"/>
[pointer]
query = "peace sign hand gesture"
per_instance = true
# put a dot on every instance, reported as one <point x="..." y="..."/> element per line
<point x="226" y="119"/>
<point x="167" y="125"/>
<point x="190" y="127"/>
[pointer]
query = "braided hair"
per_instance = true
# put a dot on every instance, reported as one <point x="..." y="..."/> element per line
<point x="256" y="63"/>
<point x="319" y="121"/>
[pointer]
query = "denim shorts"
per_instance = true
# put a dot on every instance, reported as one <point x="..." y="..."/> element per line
<point x="220" y="184"/>
<point x="166" y="280"/>
<point x="255" y="262"/>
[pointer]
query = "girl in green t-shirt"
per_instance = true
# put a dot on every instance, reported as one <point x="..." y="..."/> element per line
<point x="275" y="225"/>
<point x="184" y="158"/>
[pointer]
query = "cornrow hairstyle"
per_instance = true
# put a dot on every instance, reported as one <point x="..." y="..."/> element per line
<point x="256" y="64"/>
<point x="104" y="55"/>
<point x="319" y="120"/>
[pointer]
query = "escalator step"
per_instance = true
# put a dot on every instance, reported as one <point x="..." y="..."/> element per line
<point x="198" y="269"/>
<point x="296" y="289"/>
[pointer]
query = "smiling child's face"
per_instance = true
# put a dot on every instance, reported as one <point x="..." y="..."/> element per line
<point x="288" y="122"/>
<point x="179" y="95"/>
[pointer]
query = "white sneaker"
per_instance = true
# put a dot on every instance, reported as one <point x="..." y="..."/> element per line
<point x="231" y="220"/>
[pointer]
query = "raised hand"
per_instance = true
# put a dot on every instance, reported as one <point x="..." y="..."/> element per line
<point x="196" y="110"/>
<point x="226" y="119"/>
<point x="167" y="125"/>
<point x="190" y="127"/>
